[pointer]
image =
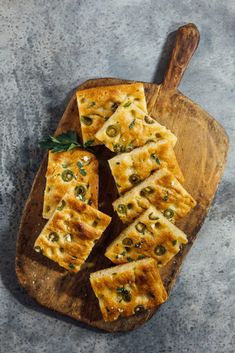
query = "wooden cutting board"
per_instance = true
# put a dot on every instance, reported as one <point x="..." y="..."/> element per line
<point x="201" y="151"/>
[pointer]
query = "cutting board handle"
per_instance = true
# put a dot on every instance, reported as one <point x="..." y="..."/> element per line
<point x="186" y="42"/>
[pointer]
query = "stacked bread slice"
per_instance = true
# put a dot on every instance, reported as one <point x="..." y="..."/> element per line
<point x="70" y="206"/>
<point x="148" y="179"/>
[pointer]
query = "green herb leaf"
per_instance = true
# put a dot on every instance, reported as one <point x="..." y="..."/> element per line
<point x="126" y="105"/>
<point x="81" y="170"/>
<point x="64" y="142"/>
<point x="132" y="124"/>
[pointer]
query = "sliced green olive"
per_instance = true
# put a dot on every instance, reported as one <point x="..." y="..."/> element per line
<point x="125" y="293"/>
<point x="60" y="208"/>
<point x="174" y="242"/>
<point x="140" y="227"/>
<point x="117" y="148"/>
<point x="53" y="236"/>
<point x="80" y="191"/>
<point x="129" y="206"/>
<point x="140" y="257"/>
<point x="147" y="191"/>
<point x="71" y="266"/>
<point x="160" y="250"/>
<point x="37" y="248"/>
<point x="152" y="217"/>
<point x="155" y="158"/>
<point x="121" y="208"/>
<point x="112" y="130"/>
<point x="166" y="196"/>
<point x="127" y="241"/>
<point x="129" y="259"/>
<point x="114" y="106"/>
<point x="129" y="148"/>
<point x="139" y="309"/>
<point x="134" y="179"/>
<point x="86" y="120"/>
<point x="168" y="213"/>
<point x="149" y="120"/>
<point x="92" y="104"/>
<point x="67" y="175"/>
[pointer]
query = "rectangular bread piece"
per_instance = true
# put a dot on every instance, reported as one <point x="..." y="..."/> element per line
<point x="128" y="289"/>
<point x="151" y="235"/>
<point x="70" y="234"/>
<point x="162" y="190"/>
<point x="130" y="127"/>
<point x="130" y="168"/>
<point x="97" y="104"/>
<point x="75" y="171"/>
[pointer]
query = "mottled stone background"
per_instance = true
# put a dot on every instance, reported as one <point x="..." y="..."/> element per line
<point x="47" y="49"/>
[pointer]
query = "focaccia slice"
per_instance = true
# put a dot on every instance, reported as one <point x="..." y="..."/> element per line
<point x="130" y="127"/>
<point x="128" y="289"/>
<point x="70" y="234"/>
<point x="76" y="171"/>
<point x="151" y="235"/>
<point x="162" y="190"/>
<point x="97" y="104"/>
<point x="129" y="169"/>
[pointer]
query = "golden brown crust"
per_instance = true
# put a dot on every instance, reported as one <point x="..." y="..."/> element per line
<point x="162" y="190"/>
<point x="130" y="127"/>
<point x="141" y="162"/>
<point x="64" y="175"/>
<point x="151" y="235"/>
<point x="127" y="289"/>
<point x="69" y="235"/>
<point x="99" y="103"/>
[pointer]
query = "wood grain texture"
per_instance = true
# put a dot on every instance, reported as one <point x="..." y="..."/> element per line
<point x="201" y="151"/>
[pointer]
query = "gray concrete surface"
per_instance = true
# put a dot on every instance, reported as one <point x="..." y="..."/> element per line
<point x="48" y="48"/>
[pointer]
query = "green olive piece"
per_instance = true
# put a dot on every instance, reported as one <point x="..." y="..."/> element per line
<point x="37" y="248"/>
<point x="80" y="191"/>
<point x="149" y="120"/>
<point x="129" y="148"/>
<point x="140" y="227"/>
<point x="168" y="213"/>
<point x="60" y="208"/>
<point x="134" y="179"/>
<point x="121" y="208"/>
<point x="118" y="148"/>
<point x="174" y="242"/>
<point x="67" y="175"/>
<point x="146" y="191"/>
<point x="139" y="309"/>
<point x="140" y="257"/>
<point x="86" y="120"/>
<point x="71" y="266"/>
<point x="160" y="250"/>
<point x="152" y="217"/>
<point x="112" y="130"/>
<point x="53" y="236"/>
<point x="125" y="294"/>
<point x="127" y="241"/>
<point x="129" y="206"/>
<point x="114" y="106"/>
